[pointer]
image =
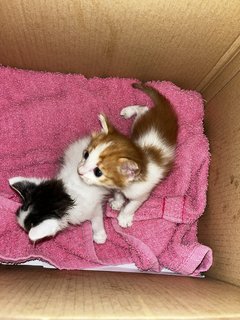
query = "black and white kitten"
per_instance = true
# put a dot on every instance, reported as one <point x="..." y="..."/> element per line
<point x="50" y="205"/>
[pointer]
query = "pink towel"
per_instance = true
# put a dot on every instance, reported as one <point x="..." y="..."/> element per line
<point x="41" y="113"/>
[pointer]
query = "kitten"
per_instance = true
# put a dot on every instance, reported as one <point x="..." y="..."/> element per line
<point x="51" y="205"/>
<point x="132" y="167"/>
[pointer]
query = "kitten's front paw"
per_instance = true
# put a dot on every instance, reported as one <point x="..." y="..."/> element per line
<point x="100" y="237"/>
<point x="125" y="220"/>
<point x="116" y="204"/>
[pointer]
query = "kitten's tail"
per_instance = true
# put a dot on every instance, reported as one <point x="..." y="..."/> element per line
<point x="167" y="119"/>
<point x="157" y="98"/>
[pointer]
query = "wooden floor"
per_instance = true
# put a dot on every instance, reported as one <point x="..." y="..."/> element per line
<point x="37" y="293"/>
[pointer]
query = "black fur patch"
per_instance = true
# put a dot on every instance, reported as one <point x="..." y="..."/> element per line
<point x="47" y="200"/>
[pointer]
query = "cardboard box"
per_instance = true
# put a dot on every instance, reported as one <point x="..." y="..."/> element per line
<point x="195" y="44"/>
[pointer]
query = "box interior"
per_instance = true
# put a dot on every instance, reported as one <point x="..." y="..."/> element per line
<point x="194" y="44"/>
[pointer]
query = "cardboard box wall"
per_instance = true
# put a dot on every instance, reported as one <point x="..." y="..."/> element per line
<point x="195" y="44"/>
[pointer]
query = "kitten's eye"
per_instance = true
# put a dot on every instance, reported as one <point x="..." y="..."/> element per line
<point x="85" y="154"/>
<point x="98" y="173"/>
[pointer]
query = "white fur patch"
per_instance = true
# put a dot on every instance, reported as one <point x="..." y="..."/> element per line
<point x="138" y="189"/>
<point x="88" y="198"/>
<point x="46" y="228"/>
<point x="21" y="179"/>
<point x="73" y="154"/>
<point x="153" y="138"/>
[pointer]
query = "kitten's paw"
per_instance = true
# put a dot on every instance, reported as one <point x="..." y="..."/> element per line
<point x="116" y="204"/>
<point x="128" y="112"/>
<point x="100" y="237"/>
<point x="125" y="220"/>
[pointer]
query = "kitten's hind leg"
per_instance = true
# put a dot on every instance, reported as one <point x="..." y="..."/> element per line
<point x="130" y="111"/>
<point x="99" y="233"/>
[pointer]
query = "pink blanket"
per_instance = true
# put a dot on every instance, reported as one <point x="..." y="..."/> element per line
<point x="41" y="113"/>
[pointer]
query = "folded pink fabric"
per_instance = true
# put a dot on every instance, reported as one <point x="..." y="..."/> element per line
<point x="41" y="113"/>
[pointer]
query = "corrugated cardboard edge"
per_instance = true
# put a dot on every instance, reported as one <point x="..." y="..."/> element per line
<point x="222" y="73"/>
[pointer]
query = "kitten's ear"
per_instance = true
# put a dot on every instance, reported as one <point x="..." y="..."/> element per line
<point x="47" y="228"/>
<point x="22" y="186"/>
<point x="107" y="127"/>
<point x="128" y="168"/>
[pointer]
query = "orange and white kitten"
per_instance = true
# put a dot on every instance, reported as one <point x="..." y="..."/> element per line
<point x="132" y="166"/>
